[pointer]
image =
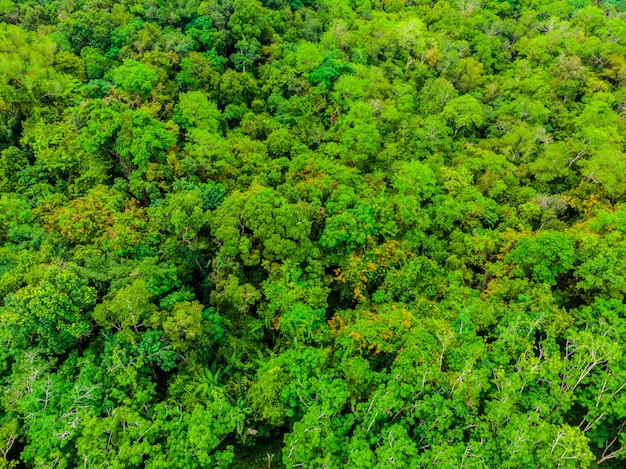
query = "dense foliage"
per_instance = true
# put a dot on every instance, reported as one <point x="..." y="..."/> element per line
<point x="312" y="233"/>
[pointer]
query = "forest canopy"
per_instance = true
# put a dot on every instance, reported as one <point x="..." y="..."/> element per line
<point x="312" y="233"/>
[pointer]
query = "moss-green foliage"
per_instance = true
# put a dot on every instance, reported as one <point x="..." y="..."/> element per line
<point x="312" y="233"/>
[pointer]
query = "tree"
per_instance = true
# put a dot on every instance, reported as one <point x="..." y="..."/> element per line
<point x="135" y="77"/>
<point x="53" y="310"/>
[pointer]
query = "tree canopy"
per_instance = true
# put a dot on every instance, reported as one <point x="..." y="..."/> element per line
<point x="312" y="233"/>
